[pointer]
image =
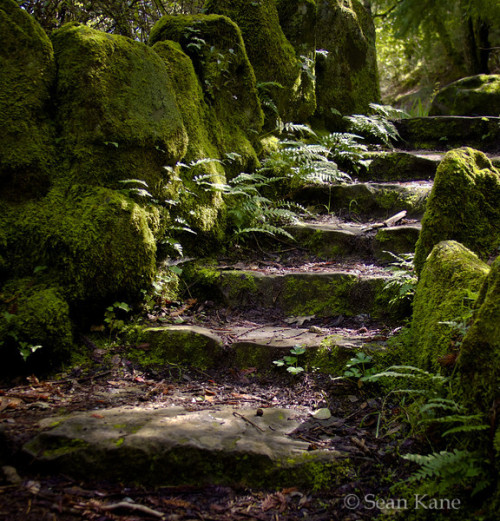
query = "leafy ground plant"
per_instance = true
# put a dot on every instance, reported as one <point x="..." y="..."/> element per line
<point x="292" y="362"/>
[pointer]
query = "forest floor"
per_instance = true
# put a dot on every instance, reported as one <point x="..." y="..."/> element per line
<point x="371" y="447"/>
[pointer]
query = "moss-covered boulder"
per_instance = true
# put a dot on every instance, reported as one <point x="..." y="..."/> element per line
<point x="216" y="48"/>
<point x="33" y="315"/>
<point x="346" y="78"/>
<point x="200" y="207"/>
<point x="272" y="56"/>
<point x="474" y="96"/>
<point x="97" y="243"/>
<point x="464" y="205"/>
<point x="450" y="279"/>
<point x="116" y="110"/>
<point x="27" y="72"/>
<point x="298" y="22"/>
<point x="478" y="363"/>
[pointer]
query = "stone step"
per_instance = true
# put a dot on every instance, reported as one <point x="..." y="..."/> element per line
<point x="362" y="241"/>
<point x="237" y="345"/>
<point x="367" y="199"/>
<point x="447" y="132"/>
<point x="176" y="446"/>
<point x="313" y="292"/>
<point x="401" y="166"/>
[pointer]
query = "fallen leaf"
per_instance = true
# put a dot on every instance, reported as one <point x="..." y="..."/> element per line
<point x="299" y="320"/>
<point x="9" y="403"/>
<point x="277" y="501"/>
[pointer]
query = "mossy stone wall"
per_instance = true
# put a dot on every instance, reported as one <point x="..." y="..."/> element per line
<point x="27" y="73"/>
<point x="464" y="205"/>
<point x="450" y="277"/>
<point x="347" y="78"/>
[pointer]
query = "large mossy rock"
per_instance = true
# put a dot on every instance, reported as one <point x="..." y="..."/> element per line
<point x="298" y="22"/>
<point x="97" y="243"/>
<point x="201" y="208"/>
<point x="347" y="78"/>
<point x="116" y="110"/>
<point x="33" y="313"/>
<point x="272" y="56"/>
<point x="27" y="72"/>
<point x="464" y="205"/>
<point x="216" y="48"/>
<point x="474" y="96"/>
<point x="478" y="363"/>
<point x="451" y="276"/>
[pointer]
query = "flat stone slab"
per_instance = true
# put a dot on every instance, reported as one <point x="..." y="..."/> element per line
<point x="175" y="446"/>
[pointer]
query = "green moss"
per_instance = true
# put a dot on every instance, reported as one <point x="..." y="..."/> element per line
<point x="450" y="277"/>
<point x="36" y="314"/>
<point x="53" y="448"/>
<point x="272" y="56"/>
<point x="338" y="294"/>
<point x="464" y="205"/>
<point x="318" y="296"/>
<point x="238" y="288"/>
<point x="346" y="79"/>
<point x="27" y="71"/>
<point x="216" y="48"/>
<point x="116" y="110"/>
<point x="96" y="242"/>
<point x="478" y="364"/>
<point x="331" y="357"/>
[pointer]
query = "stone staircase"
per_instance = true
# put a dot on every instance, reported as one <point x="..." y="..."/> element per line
<point x="324" y="293"/>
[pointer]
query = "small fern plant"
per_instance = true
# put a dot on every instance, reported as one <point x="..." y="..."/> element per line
<point x="403" y="283"/>
<point x="449" y="470"/>
<point x="248" y="211"/>
<point x="376" y="126"/>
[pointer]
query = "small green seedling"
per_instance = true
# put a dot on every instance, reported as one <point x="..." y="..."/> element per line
<point x="291" y="362"/>
<point x="359" y="367"/>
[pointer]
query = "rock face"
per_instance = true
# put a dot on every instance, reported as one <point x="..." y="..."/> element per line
<point x="473" y="96"/>
<point x="116" y="110"/>
<point x="347" y="78"/>
<point x="450" y="276"/>
<point x="272" y="56"/>
<point x="216" y="49"/>
<point x="464" y="205"/>
<point x="27" y="72"/>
